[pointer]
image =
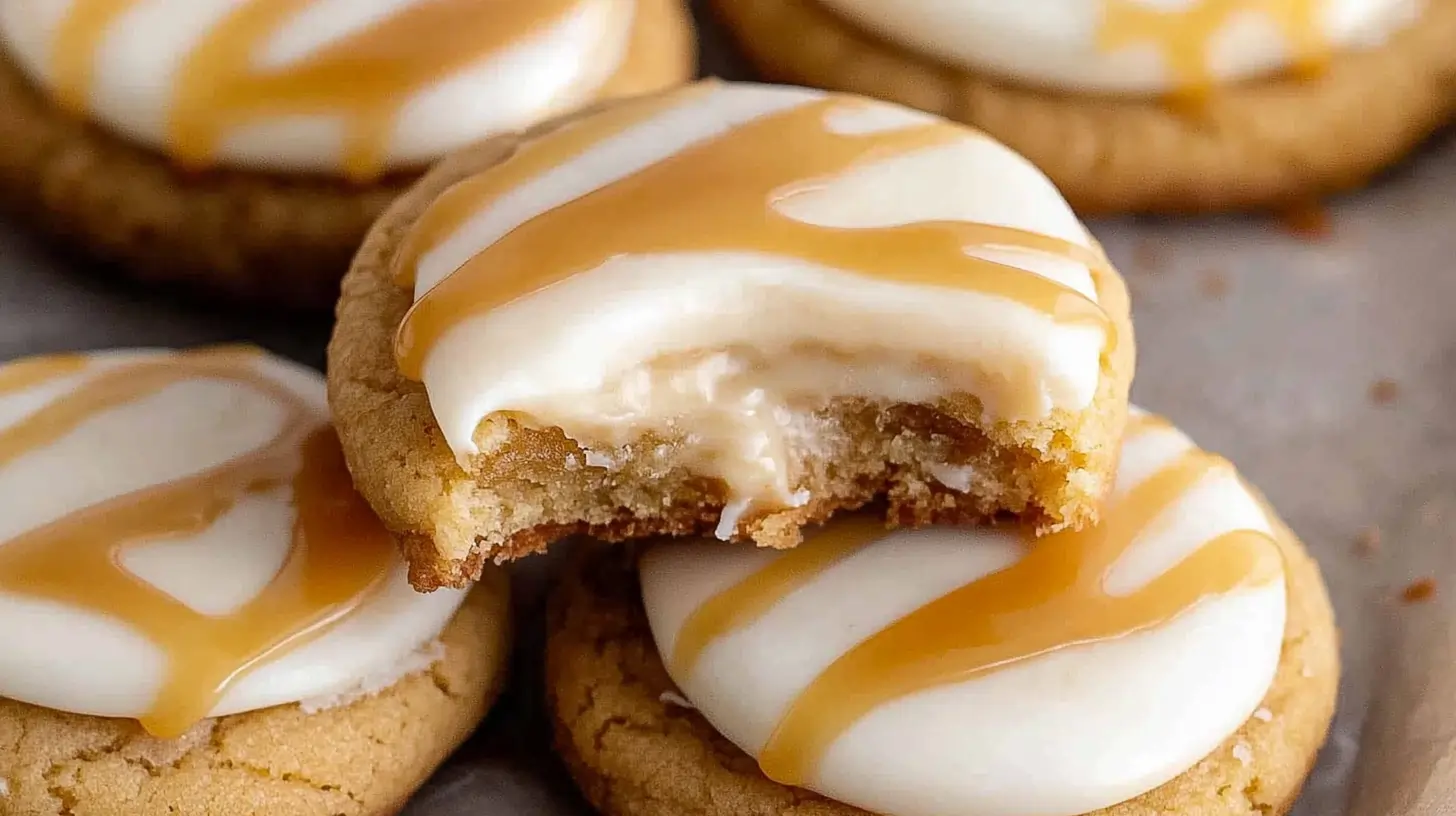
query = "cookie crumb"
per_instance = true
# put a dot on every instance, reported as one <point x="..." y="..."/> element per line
<point x="1243" y="753"/>
<point x="672" y="698"/>
<point x="1263" y="715"/>
<point x="1147" y="256"/>
<point x="1384" y="391"/>
<point x="1368" y="545"/>
<point x="1308" y="220"/>
<point x="1214" y="284"/>
<point x="1419" y="590"/>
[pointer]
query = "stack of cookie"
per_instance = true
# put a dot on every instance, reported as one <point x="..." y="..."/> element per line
<point x="869" y="374"/>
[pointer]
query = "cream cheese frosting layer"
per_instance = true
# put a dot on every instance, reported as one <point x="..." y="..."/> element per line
<point x="1130" y="46"/>
<point x="339" y="86"/>
<point x="717" y="263"/>
<point x="965" y="670"/>
<point x="162" y="626"/>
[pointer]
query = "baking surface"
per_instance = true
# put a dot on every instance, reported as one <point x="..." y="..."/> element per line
<point x="1322" y="366"/>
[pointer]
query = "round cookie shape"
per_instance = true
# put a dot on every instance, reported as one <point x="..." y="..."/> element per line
<point x="334" y="86"/>
<point x="1129" y="46"/>
<point x="730" y="266"/>
<point x="1010" y="677"/>
<point x="182" y="541"/>
<point x="635" y="745"/>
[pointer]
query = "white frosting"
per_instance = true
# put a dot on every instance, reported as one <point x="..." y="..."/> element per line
<point x="62" y="657"/>
<point x="1072" y="731"/>
<point x="553" y="69"/>
<point x="1055" y="42"/>
<point x="614" y="326"/>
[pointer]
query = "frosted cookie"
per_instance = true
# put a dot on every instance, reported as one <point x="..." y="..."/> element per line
<point x="730" y="309"/>
<point x="198" y="614"/>
<point x="246" y="145"/>
<point x="1141" y="105"/>
<point x="1179" y="658"/>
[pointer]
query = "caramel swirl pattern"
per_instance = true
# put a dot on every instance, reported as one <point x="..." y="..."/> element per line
<point x="339" y="552"/>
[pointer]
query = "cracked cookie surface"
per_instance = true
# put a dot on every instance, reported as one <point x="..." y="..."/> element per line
<point x="365" y="758"/>
<point x="635" y="748"/>
<point x="1262" y="144"/>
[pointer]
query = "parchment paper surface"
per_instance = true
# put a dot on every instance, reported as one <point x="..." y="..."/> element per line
<point x="1324" y="368"/>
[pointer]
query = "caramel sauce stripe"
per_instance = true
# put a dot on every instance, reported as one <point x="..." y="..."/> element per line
<point x="366" y="77"/>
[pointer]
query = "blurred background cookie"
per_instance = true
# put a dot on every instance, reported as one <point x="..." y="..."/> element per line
<point x="245" y="147"/>
<point x="1136" y="105"/>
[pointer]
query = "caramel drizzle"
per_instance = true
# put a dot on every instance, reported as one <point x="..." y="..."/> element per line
<point x="719" y="194"/>
<point x="1184" y="36"/>
<point x="340" y="553"/>
<point x="751" y="598"/>
<point x="1051" y="599"/>
<point x="366" y="76"/>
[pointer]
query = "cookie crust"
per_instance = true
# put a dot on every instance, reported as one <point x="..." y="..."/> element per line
<point x="632" y="750"/>
<point x="362" y="759"/>
<point x="251" y="237"/>
<point x="1265" y="144"/>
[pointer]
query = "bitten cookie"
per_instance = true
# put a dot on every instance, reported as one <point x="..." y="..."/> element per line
<point x="244" y="148"/>
<point x="1128" y="106"/>
<point x="729" y="309"/>
<point x="198" y="614"/>
<point x="1182" y="658"/>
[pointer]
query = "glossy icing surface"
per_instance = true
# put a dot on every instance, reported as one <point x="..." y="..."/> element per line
<point x="181" y="540"/>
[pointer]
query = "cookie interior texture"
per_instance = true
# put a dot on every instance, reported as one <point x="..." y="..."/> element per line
<point x="633" y="748"/>
<point x="365" y="758"/>
<point x="1262" y="144"/>
<point x="528" y="488"/>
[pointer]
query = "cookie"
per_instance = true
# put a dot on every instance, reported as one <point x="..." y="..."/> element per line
<point x="364" y="758"/>
<point x="197" y="612"/>
<point x="258" y="186"/>
<point x="1253" y="140"/>
<point x="730" y="309"/>
<point x="826" y="667"/>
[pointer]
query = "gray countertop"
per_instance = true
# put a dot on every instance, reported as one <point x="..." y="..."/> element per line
<point x="1262" y="345"/>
